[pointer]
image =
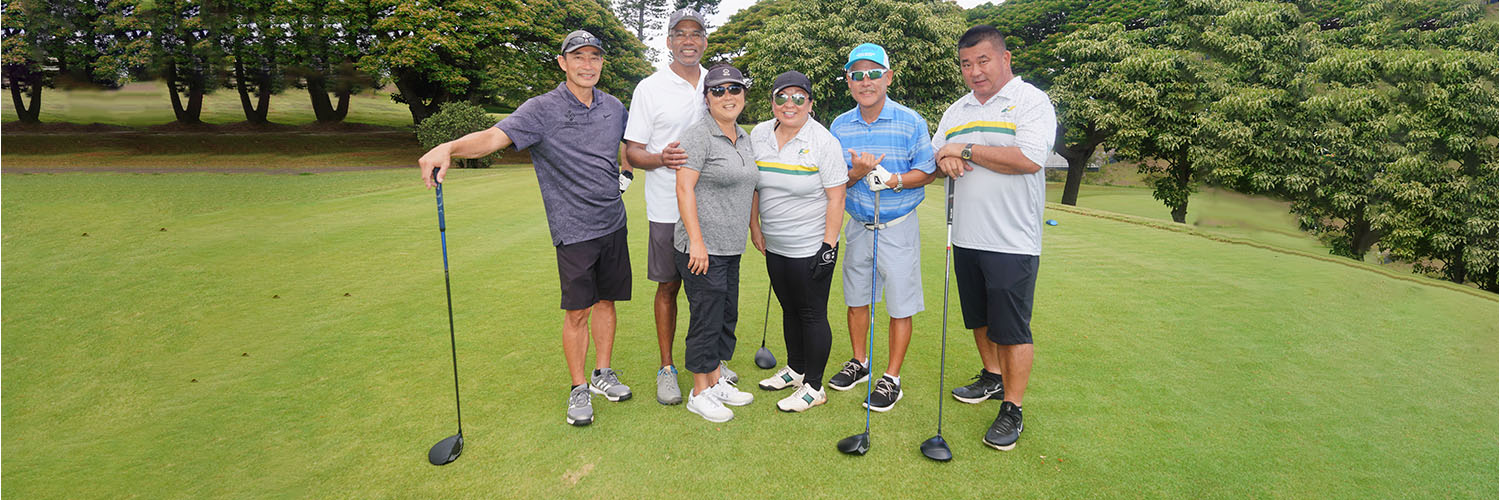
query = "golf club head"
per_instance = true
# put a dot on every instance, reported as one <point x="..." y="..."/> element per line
<point x="937" y="449"/>
<point x="447" y="450"/>
<point x="857" y="444"/>
<point x="764" y="359"/>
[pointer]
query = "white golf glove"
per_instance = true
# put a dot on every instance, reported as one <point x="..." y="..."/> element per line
<point x="625" y="177"/>
<point x="877" y="178"/>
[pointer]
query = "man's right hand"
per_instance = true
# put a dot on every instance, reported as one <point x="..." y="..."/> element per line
<point x="439" y="158"/>
<point x="673" y="156"/>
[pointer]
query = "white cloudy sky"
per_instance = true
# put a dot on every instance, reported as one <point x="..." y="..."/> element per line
<point x="730" y="7"/>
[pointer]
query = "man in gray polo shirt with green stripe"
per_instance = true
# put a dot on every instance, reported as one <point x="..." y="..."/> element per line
<point x="574" y="134"/>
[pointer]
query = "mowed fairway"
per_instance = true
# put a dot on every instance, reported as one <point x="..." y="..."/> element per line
<point x="199" y="342"/>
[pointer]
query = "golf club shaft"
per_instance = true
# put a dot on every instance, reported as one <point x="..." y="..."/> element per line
<point x="764" y="322"/>
<point x="870" y="339"/>
<point x="947" y="267"/>
<point x="448" y="289"/>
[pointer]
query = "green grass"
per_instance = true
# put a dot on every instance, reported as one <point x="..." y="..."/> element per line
<point x="147" y="103"/>
<point x="1168" y="363"/>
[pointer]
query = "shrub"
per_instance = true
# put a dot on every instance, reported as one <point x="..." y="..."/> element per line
<point x="454" y="120"/>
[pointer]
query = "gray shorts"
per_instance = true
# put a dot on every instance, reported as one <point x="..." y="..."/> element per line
<point x="899" y="281"/>
<point x="661" y="256"/>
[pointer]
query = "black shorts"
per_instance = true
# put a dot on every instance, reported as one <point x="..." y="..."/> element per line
<point x="594" y="270"/>
<point x="995" y="290"/>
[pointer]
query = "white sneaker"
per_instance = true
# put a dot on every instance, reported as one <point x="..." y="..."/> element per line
<point x="782" y="379"/>
<point x="707" y="405"/>
<point x="730" y="395"/>
<point x="804" y="398"/>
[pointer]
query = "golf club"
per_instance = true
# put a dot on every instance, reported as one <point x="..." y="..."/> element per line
<point x="858" y="444"/>
<point x="448" y="450"/>
<point x="936" y="448"/>
<point x="763" y="358"/>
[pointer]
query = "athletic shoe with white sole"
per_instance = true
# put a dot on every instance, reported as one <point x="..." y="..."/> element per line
<point x="782" y="379"/>
<point x="986" y="386"/>
<point x="1006" y="430"/>
<point x="707" y="405"/>
<point x="580" y="408"/>
<point x="885" y="395"/>
<point x="804" y="398"/>
<point x="729" y="394"/>
<point x="852" y="374"/>
<point x="667" y="392"/>
<point x="606" y="382"/>
<point x="725" y="372"/>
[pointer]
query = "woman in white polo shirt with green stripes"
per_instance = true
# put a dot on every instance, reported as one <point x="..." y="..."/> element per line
<point x="795" y="219"/>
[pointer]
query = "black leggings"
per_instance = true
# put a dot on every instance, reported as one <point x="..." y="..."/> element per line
<point x="804" y="318"/>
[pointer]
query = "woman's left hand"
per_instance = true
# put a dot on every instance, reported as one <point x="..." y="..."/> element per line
<point x="697" y="258"/>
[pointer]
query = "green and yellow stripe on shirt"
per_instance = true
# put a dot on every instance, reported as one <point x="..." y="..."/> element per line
<point x="981" y="126"/>
<point x="785" y="168"/>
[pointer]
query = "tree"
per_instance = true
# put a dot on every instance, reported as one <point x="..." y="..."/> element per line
<point x="440" y="51"/>
<point x="253" y="34"/>
<point x="528" y="66"/>
<point x="327" y="42"/>
<point x="1034" y="30"/>
<point x="730" y="43"/>
<point x="25" y="56"/>
<point x="921" y="37"/>
<point x="641" y="16"/>
<point x="183" y="48"/>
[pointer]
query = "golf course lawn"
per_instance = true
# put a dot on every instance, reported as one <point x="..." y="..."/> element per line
<point x="219" y="335"/>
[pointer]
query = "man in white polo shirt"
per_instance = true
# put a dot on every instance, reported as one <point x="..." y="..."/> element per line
<point x="993" y="142"/>
<point x="662" y="107"/>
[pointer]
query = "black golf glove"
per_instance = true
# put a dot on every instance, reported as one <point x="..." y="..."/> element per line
<point x="824" y="260"/>
<point x="625" y="177"/>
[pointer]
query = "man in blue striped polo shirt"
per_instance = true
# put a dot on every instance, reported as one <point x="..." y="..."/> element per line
<point x="889" y="150"/>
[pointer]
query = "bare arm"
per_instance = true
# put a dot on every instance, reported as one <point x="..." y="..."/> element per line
<point x="672" y="156"/>
<point x="1004" y="160"/>
<point x="475" y="145"/>
<point x="757" y="238"/>
<point x="835" y="216"/>
<point x="687" y="208"/>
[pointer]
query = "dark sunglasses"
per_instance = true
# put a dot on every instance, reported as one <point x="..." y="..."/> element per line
<point x="719" y="90"/>
<point x="798" y="99"/>
<point x="873" y="74"/>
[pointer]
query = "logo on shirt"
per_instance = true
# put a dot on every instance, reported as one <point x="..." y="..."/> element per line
<point x="1007" y="109"/>
<point x="804" y="151"/>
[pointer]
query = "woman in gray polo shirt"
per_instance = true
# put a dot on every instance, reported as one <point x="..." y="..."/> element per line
<point x="799" y="208"/>
<point x="714" y="191"/>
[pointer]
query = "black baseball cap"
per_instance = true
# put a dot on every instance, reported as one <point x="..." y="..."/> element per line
<point x="723" y="73"/>
<point x="792" y="78"/>
<point x="579" y="39"/>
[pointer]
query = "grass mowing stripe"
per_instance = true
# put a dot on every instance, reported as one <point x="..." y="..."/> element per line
<point x="1168" y="364"/>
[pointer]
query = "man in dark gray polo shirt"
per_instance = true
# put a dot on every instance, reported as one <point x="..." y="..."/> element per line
<point x="574" y="134"/>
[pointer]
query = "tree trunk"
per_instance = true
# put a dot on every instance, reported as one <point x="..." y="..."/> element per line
<point x="1182" y="173"/>
<point x="323" y="109"/>
<point x="252" y="114"/>
<point x="194" y="109"/>
<point x="1455" y="269"/>
<point x="342" y="110"/>
<point x="33" y="93"/>
<point x="1362" y="237"/>
<point x="406" y="83"/>
<point x="1078" y="158"/>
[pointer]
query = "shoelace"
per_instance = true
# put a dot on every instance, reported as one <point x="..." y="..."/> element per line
<point x="886" y="388"/>
<point x="578" y="399"/>
<point x="610" y="379"/>
<point x="851" y="369"/>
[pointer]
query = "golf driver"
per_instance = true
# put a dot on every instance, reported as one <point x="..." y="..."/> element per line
<point x="448" y="450"/>
<point x="858" y="444"/>
<point x="763" y="358"/>
<point x="936" y="448"/>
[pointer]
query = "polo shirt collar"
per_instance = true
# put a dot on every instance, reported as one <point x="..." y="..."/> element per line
<point x="1006" y="93"/>
<point x="887" y="111"/>
<point x="713" y="128"/>
<point x="562" y="87"/>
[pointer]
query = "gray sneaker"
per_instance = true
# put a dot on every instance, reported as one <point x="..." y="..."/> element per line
<point x="580" y="409"/>
<point x="605" y="382"/>
<point x="667" y="392"/>
<point x="724" y="371"/>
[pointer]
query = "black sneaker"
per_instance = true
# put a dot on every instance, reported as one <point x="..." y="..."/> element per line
<point x="986" y="386"/>
<point x="852" y="374"/>
<point x="1006" y="429"/>
<point x="885" y="395"/>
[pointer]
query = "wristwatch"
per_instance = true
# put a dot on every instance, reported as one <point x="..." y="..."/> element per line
<point x="899" y="184"/>
<point x="968" y="153"/>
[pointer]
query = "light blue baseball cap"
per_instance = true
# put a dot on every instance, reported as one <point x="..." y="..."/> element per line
<point x="870" y="52"/>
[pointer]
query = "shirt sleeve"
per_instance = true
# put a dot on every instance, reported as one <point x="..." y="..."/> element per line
<point x="921" y="151"/>
<point x="940" y="138"/>
<point x="525" y="127"/>
<point x="1037" y="130"/>
<point x="832" y="170"/>
<point x="638" y="125"/>
<point x="694" y="140"/>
